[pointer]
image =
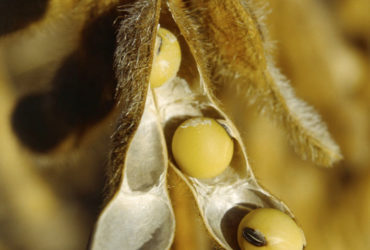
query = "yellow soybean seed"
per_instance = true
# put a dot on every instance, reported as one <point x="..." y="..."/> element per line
<point x="202" y="148"/>
<point x="269" y="229"/>
<point x="167" y="58"/>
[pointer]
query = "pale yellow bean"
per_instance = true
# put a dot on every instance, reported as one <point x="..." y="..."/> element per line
<point x="167" y="58"/>
<point x="202" y="148"/>
<point x="269" y="229"/>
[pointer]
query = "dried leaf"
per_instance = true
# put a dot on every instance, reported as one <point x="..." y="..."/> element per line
<point x="228" y="43"/>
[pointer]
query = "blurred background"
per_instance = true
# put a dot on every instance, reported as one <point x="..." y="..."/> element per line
<point x="323" y="47"/>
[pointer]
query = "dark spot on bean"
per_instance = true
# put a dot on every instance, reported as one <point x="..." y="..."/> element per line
<point x="160" y="45"/>
<point x="254" y="237"/>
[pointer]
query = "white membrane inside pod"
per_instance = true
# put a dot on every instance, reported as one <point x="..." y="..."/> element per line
<point x="176" y="99"/>
<point x="140" y="215"/>
<point x="146" y="159"/>
<point x="220" y="200"/>
<point x="135" y="221"/>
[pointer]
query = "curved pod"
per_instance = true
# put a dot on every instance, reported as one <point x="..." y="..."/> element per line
<point x="225" y="199"/>
<point x="128" y="222"/>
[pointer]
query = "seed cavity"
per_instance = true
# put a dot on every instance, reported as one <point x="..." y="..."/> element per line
<point x="254" y="237"/>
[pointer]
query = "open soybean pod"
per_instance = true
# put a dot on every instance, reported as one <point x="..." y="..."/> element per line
<point x="139" y="213"/>
<point x="225" y="199"/>
<point x="223" y="48"/>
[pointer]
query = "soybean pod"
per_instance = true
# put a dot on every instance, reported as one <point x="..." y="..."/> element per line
<point x="187" y="66"/>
